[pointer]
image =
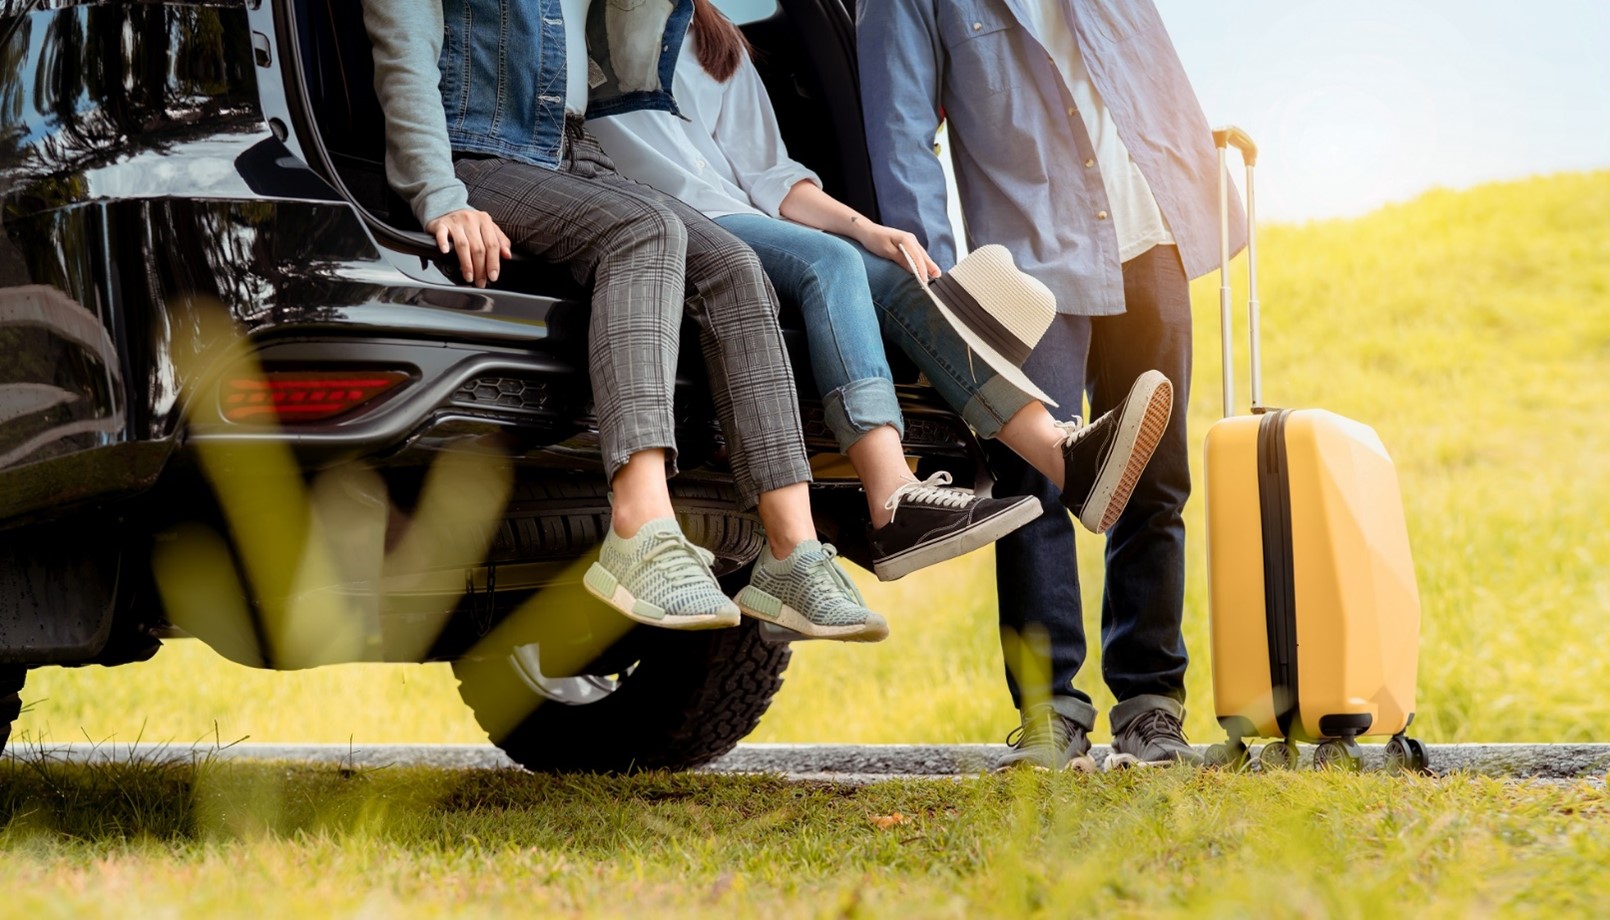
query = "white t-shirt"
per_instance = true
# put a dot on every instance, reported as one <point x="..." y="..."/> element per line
<point x="1135" y="215"/>
<point x="576" y="89"/>
<point x="724" y="156"/>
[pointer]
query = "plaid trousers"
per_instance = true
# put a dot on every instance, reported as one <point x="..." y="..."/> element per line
<point x="648" y="258"/>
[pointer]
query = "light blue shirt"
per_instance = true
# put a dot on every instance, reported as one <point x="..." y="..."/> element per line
<point x="1026" y="170"/>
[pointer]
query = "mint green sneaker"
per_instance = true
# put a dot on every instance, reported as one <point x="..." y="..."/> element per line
<point x="809" y="594"/>
<point x="659" y="578"/>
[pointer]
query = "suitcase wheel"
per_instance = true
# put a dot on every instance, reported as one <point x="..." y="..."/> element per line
<point x="1278" y="755"/>
<point x="1407" y="755"/>
<point x="1343" y="754"/>
<point x="1228" y="755"/>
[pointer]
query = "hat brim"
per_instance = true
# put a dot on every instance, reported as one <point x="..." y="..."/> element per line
<point x="999" y="363"/>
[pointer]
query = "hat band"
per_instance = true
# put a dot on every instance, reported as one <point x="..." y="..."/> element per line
<point x="980" y="320"/>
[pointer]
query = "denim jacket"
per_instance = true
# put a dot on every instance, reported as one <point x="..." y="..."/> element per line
<point x="488" y="76"/>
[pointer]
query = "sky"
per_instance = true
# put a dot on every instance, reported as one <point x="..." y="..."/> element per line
<point x="1355" y="103"/>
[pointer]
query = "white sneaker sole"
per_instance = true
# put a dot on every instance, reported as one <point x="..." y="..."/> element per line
<point x="1084" y="763"/>
<point x="604" y="586"/>
<point x="960" y="543"/>
<point x="1140" y="428"/>
<point x="755" y="602"/>
<point x="1115" y="762"/>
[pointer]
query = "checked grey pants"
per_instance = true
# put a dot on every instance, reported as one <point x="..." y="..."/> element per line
<point x="648" y="258"/>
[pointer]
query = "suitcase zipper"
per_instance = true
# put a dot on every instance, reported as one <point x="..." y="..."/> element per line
<point x="1280" y="607"/>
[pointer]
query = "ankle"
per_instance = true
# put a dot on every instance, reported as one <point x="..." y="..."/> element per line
<point x="783" y="545"/>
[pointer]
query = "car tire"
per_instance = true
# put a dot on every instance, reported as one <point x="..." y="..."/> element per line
<point x="686" y="699"/>
<point x="567" y="517"/>
<point x="11" y="680"/>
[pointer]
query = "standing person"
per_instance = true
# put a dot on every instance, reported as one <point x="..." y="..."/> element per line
<point x="484" y="137"/>
<point x="848" y="275"/>
<point x="1078" y="143"/>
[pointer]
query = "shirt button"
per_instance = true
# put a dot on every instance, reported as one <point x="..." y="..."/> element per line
<point x="1101" y="215"/>
<point x="936" y="150"/>
<point x="978" y="26"/>
<point x="1089" y="163"/>
<point x="1072" y="111"/>
<point x="699" y="163"/>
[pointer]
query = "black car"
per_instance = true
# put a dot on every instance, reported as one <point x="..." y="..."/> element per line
<point x="219" y="327"/>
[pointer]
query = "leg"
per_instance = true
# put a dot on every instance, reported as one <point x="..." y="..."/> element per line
<point x="1096" y="465"/>
<point x="914" y="525"/>
<point x="1143" y="651"/>
<point x="632" y="253"/>
<point x="824" y="276"/>
<point x="1030" y="602"/>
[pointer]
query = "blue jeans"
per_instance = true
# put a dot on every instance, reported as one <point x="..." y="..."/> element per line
<point x="851" y="300"/>
<point x="1142" y="651"/>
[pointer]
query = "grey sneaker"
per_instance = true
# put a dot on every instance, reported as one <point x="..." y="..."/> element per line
<point x="1048" y="740"/>
<point x="809" y="594"/>
<point x="1147" y="732"/>
<point x="659" y="578"/>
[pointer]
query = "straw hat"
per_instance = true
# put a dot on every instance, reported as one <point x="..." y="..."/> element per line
<point x="1000" y="312"/>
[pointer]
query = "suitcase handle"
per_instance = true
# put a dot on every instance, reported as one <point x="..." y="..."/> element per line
<point x="1239" y="139"/>
<point x="1224" y="138"/>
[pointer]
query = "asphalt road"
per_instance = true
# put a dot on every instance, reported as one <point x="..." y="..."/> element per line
<point x="844" y="762"/>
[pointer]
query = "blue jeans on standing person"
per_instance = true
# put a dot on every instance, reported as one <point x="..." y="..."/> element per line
<point x="851" y="300"/>
<point x="1142" y="650"/>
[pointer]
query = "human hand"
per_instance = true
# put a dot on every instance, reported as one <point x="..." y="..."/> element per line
<point x="479" y="241"/>
<point x="887" y="242"/>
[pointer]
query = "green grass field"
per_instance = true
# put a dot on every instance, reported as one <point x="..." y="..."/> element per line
<point x="1472" y="329"/>
<point x="267" y="840"/>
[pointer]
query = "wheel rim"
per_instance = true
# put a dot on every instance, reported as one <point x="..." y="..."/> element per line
<point x="580" y="690"/>
<point x="1278" y="755"/>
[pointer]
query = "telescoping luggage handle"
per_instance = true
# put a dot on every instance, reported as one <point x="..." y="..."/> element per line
<point x="1224" y="138"/>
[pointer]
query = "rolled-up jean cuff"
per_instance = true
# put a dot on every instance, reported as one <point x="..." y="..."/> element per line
<point x="861" y="406"/>
<point x="993" y="405"/>
<point x="1076" y="709"/>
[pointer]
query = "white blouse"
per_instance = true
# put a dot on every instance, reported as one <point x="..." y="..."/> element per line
<point x="726" y="156"/>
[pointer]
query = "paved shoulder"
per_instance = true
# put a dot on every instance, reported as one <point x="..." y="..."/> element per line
<point x="827" y="761"/>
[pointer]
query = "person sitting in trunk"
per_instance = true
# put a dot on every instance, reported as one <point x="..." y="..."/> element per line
<point x="857" y="282"/>
<point x="485" y="139"/>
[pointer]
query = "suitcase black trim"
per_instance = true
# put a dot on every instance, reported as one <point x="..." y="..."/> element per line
<point x="1279" y="578"/>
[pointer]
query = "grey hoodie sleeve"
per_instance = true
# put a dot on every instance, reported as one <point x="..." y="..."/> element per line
<point x="407" y="39"/>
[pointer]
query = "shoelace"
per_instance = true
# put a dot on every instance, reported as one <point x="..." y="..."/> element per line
<point x="930" y="491"/>
<point x="823" y="574"/>
<point x="1072" y="431"/>
<point x="1040" y="727"/>
<point x="1158" y="724"/>
<point x="675" y="543"/>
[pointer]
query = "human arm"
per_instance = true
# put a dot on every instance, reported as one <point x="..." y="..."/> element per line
<point x="407" y="40"/>
<point x="807" y="204"/>
<point x="901" y="63"/>
<point x="746" y="131"/>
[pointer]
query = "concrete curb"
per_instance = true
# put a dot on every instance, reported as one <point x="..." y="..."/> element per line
<point x="860" y="762"/>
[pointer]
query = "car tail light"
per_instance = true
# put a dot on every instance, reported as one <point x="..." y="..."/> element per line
<point x="303" y="396"/>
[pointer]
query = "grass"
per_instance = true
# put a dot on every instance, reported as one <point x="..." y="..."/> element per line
<point x="1470" y="328"/>
<point x="277" y="840"/>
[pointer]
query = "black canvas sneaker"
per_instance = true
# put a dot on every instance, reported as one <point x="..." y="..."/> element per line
<point x="932" y="523"/>
<point x="1105" y="458"/>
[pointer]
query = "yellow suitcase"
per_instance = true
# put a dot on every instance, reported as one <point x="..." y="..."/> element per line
<point x="1315" y="615"/>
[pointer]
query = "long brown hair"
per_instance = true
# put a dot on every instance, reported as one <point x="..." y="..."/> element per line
<point x="721" y="45"/>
